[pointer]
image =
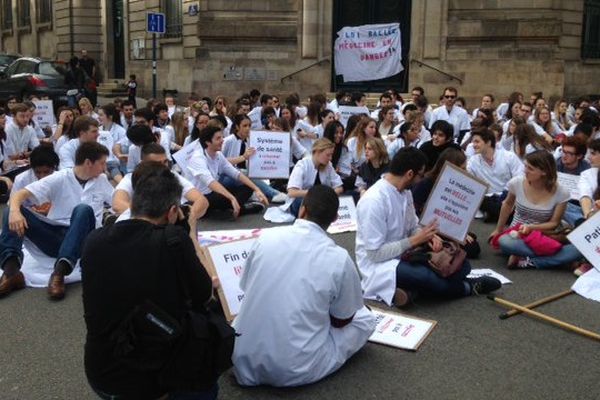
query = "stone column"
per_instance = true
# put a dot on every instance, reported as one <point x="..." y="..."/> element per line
<point x="310" y="28"/>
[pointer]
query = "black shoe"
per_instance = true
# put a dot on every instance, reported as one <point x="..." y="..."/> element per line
<point x="252" y="208"/>
<point x="484" y="284"/>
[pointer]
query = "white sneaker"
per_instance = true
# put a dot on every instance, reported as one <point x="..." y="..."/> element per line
<point x="479" y="214"/>
<point x="279" y="198"/>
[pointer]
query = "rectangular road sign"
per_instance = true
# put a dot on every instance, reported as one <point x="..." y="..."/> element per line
<point x="155" y="23"/>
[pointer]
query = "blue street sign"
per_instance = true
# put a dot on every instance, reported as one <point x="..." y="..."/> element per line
<point x="155" y="23"/>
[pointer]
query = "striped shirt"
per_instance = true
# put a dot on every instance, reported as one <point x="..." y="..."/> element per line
<point x="528" y="213"/>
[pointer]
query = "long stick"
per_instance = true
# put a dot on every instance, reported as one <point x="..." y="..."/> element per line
<point x="564" y="325"/>
<point x="537" y="303"/>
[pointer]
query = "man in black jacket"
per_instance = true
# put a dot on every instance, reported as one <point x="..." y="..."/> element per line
<point x="128" y="264"/>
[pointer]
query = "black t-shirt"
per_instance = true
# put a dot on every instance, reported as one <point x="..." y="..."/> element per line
<point x="370" y="174"/>
<point x="121" y="266"/>
<point x="433" y="153"/>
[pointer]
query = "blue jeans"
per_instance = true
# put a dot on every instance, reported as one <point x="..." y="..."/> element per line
<point x="266" y="189"/>
<point x="421" y="279"/>
<point x="209" y="394"/>
<point x="295" y="206"/>
<point x="572" y="213"/>
<point x="517" y="247"/>
<point x="60" y="242"/>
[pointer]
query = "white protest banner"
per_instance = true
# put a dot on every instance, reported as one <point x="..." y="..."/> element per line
<point x="571" y="183"/>
<point x="227" y="261"/>
<point x="400" y="330"/>
<point x="44" y="113"/>
<point x="346" y="220"/>
<point x="345" y="112"/>
<point x="182" y="157"/>
<point x="453" y="202"/>
<point x="368" y="52"/>
<point x="272" y="157"/>
<point x="586" y="238"/>
<point x="206" y="238"/>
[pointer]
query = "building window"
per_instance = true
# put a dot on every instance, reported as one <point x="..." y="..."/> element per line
<point x="590" y="40"/>
<point x="7" y="16"/>
<point x="44" y="11"/>
<point x="24" y="14"/>
<point x="173" y="10"/>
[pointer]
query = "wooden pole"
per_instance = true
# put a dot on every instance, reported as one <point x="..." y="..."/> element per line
<point x="537" y="303"/>
<point x="554" y="321"/>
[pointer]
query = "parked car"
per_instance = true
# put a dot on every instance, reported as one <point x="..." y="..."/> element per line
<point x="44" y="78"/>
<point x="6" y="60"/>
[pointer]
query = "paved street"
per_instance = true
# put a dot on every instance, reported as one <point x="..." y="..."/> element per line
<point x="470" y="355"/>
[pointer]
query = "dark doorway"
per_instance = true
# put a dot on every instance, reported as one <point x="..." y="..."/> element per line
<point x="118" y="40"/>
<point x="363" y="12"/>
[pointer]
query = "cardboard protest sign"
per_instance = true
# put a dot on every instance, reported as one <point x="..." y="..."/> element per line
<point x="453" y="202"/>
<point x="227" y="261"/>
<point x="571" y="183"/>
<point x="368" y="52"/>
<point x="272" y="157"/>
<point x="586" y="238"/>
<point x="400" y="330"/>
<point x="346" y="220"/>
<point x="44" y="113"/>
<point x="347" y="111"/>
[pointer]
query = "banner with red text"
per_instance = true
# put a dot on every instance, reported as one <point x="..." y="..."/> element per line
<point x="368" y="52"/>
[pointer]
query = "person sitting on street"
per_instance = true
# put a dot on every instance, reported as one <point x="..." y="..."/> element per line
<point x="303" y="315"/>
<point x="77" y="196"/>
<point x="388" y="227"/>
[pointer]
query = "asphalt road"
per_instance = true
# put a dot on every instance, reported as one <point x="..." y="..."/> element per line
<point x="471" y="354"/>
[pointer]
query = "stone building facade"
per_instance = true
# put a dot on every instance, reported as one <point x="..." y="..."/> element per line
<point x="230" y="46"/>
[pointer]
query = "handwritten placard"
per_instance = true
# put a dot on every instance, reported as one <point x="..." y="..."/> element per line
<point x="400" y="330"/>
<point x="453" y="202"/>
<point x="368" y="52"/>
<point x="571" y="183"/>
<point x="44" y="113"/>
<point x="227" y="262"/>
<point x="345" y="112"/>
<point x="272" y="157"/>
<point x="586" y="238"/>
<point x="346" y="220"/>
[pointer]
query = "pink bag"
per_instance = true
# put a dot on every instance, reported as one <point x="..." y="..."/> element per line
<point x="541" y="244"/>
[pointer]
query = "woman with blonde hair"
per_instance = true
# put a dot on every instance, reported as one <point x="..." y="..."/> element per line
<point x="366" y="128"/>
<point x="559" y="115"/>
<point x="538" y="202"/>
<point x="312" y="171"/>
<point x="220" y="106"/>
<point x="376" y="165"/>
<point x="86" y="108"/>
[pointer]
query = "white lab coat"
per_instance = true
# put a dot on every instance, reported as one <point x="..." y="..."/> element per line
<point x="383" y="215"/>
<point x="286" y="337"/>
